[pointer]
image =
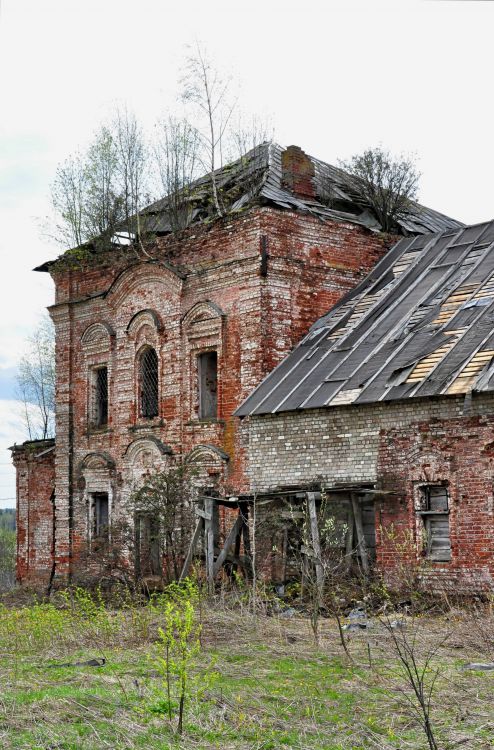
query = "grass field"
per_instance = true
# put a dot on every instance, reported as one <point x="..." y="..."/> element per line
<point x="261" y="683"/>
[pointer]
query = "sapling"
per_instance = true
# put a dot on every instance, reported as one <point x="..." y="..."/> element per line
<point x="178" y="646"/>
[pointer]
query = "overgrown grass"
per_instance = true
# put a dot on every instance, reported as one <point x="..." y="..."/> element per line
<point x="275" y="688"/>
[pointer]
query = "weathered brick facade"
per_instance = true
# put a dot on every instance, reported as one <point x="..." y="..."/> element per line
<point x="35" y="521"/>
<point x="246" y="286"/>
<point x="397" y="448"/>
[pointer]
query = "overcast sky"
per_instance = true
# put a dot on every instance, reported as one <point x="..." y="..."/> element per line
<point x="334" y="77"/>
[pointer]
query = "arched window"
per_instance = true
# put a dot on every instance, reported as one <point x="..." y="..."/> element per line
<point x="148" y="377"/>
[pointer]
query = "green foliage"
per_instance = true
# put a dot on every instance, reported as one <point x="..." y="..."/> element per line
<point x="178" y="648"/>
<point x="7" y="519"/>
<point x="386" y="183"/>
<point x="7" y="553"/>
<point x="165" y="502"/>
<point x="277" y="689"/>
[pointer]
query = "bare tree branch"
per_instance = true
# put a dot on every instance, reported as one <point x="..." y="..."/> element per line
<point x="386" y="184"/>
<point x="36" y="383"/>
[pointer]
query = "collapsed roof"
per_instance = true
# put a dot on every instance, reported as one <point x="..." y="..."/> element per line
<point x="259" y="177"/>
<point x="266" y="175"/>
<point x="420" y="324"/>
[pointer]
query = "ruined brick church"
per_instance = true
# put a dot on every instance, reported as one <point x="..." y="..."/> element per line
<point x="287" y="349"/>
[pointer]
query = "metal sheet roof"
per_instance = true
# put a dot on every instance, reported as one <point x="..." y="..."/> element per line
<point x="420" y="324"/>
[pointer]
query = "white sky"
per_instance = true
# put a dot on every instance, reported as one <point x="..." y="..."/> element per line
<point x="334" y="76"/>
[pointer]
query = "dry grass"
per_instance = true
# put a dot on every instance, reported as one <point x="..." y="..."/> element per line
<point x="275" y="688"/>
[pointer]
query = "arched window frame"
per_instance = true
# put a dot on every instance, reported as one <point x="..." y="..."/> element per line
<point x="203" y="331"/>
<point x="148" y="379"/>
<point x="97" y="350"/>
<point x="145" y="331"/>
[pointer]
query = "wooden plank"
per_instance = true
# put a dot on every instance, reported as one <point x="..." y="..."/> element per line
<point x="289" y="514"/>
<point x="244" y="509"/>
<point x="209" y="542"/>
<point x="357" y="514"/>
<point x="203" y="514"/>
<point x="191" y="550"/>
<point x="232" y="536"/>
<point x="316" y="544"/>
<point x="349" y="539"/>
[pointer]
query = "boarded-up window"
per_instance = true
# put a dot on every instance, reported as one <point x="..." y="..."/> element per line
<point x="149" y="383"/>
<point x="434" y="509"/>
<point x="100" y="516"/>
<point x="207" y="366"/>
<point x="99" y="390"/>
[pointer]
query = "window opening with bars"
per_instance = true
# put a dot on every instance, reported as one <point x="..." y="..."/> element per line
<point x="207" y="371"/>
<point x="100" y="520"/>
<point x="434" y="510"/>
<point x="149" y="383"/>
<point x="99" y="417"/>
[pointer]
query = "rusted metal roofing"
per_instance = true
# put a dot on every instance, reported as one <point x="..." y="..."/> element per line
<point x="420" y="324"/>
<point x="256" y="178"/>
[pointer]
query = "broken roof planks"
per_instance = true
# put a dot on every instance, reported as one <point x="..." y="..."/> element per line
<point x="421" y="324"/>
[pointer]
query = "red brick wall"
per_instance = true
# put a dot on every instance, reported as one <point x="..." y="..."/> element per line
<point x="35" y="467"/>
<point x="456" y="452"/>
<point x="209" y="290"/>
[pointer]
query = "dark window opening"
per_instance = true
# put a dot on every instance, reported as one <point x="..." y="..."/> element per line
<point x="207" y="366"/>
<point x="100" y="516"/>
<point x="149" y="384"/>
<point x="434" y="509"/>
<point x="100" y="409"/>
<point x="148" y="558"/>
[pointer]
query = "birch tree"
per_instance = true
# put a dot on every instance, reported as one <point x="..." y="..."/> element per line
<point x="177" y="161"/>
<point x="36" y="383"/>
<point x="209" y="93"/>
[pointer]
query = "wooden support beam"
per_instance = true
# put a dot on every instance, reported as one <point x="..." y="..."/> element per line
<point x="244" y="509"/>
<point x="349" y="538"/>
<point x="202" y="514"/>
<point x="316" y="544"/>
<point x="192" y="546"/>
<point x="232" y="536"/>
<point x="209" y="541"/>
<point x="236" y="554"/>
<point x="362" y="547"/>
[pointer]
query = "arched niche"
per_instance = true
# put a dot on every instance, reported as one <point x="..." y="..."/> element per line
<point x="147" y="443"/>
<point x="202" y="311"/>
<point x="209" y="463"/>
<point x="97" y="337"/>
<point x="96" y="460"/>
<point x="144" y="455"/>
<point x="137" y="276"/>
<point x="426" y="465"/>
<point x="145" y="318"/>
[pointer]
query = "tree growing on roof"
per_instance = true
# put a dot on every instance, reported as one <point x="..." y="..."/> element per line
<point x="177" y="158"/>
<point x="210" y="95"/>
<point x="387" y="184"/>
<point x="98" y="194"/>
<point x="36" y="382"/>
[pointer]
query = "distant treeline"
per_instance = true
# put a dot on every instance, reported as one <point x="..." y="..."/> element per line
<point x="7" y="518"/>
